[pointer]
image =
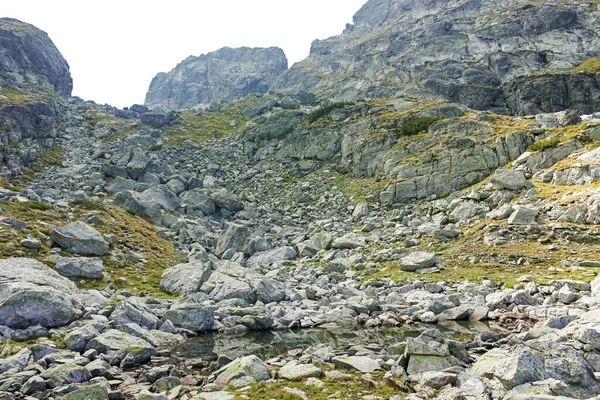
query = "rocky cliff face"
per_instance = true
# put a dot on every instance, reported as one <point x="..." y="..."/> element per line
<point x="29" y="60"/>
<point x="466" y="51"/>
<point x="34" y="78"/>
<point x="225" y="74"/>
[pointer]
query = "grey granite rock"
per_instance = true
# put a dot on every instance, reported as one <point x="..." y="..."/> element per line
<point x="225" y="74"/>
<point x="31" y="293"/>
<point x="80" y="238"/>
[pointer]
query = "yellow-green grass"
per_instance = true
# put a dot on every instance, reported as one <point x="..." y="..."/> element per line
<point x="591" y="65"/>
<point x="19" y="97"/>
<point x="353" y="387"/>
<point x="136" y="236"/>
<point x="357" y="189"/>
<point x="140" y="274"/>
<point x="200" y="127"/>
<point x="470" y="259"/>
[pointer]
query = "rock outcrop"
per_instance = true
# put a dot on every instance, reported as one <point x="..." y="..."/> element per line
<point x="225" y="74"/>
<point x="33" y="76"/>
<point x="465" y="51"/>
<point x="28" y="57"/>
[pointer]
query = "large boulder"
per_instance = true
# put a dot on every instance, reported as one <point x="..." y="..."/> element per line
<point x="64" y="374"/>
<point x="358" y="363"/>
<point x="191" y="316"/>
<point x="77" y="338"/>
<point x="163" y="196"/>
<point x="293" y="370"/>
<point x="137" y="163"/>
<point x="198" y="200"/>
<point x="97" y="391"/>
<point x="595" y="285"/>
<point x="250" y="369"/>
<point x="80" y="267"/>
<point x="269" y="290"/>
<point x="418" y="260"/>
<point x="428" y="353"/>
<point x="349" y="241"/>
<point x="31" y="293"/>
<point x="134" y="310"/>
<point x="509" y="179"/>
<point x="267" y="258"/>
<point x="122" y="343"/>
<point x="226" y="200"/>
<point x="537" y="361"/>
<point x="158" y="119"/>
<point x="523" y="216"/>
<point x="185" y="278"/>
<point x="235" y="238"/>
<point x="120" y="184"/>
<point x="221" y="286"/>
<point x="259" y="108"/>
<point x="138" y="204"/>
<point x="80" y="238"/>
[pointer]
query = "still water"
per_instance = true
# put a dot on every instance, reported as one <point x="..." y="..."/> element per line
<point x="267" y="344"/>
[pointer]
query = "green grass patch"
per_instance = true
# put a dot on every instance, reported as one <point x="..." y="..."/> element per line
<point x="470" y="259"/>
<point x="325" y="110"/>
<point x="141" y="253"/>
<point x="31" y="213"/>
<point x="358" y="189"/>
<point x="5" y="184"/>
<point x="26" y="206"/>
<point x="140" y="237"/>
<point x="352" y="387"/>
<point x="415" y="125"/>
<point x="87" y="205"/>
<point x="544" y="144"/>
<point x="290" y="180"/>
<point x="16" y="96"/>
<point x="591" y="65"/>
<point x="200" y="127"/>
<point x="47" y="158"/>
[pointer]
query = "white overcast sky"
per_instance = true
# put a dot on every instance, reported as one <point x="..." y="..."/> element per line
<point x="115" y="47"/>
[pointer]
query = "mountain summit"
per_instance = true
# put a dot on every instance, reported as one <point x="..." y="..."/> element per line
<point x="225" y="74"/>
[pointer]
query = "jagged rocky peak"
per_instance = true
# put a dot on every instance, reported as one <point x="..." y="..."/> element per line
<point x="29" y="60"/>
<point x="225" y="74"/>
<point x="488" y="55"/>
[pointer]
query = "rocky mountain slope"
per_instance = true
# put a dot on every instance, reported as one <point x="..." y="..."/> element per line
<point x="433" y="249"/>
<point x="225" y="74"/>
<point x="506" y="56"/>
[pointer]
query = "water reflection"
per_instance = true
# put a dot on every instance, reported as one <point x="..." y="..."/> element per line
<point x="273" y="343"/>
